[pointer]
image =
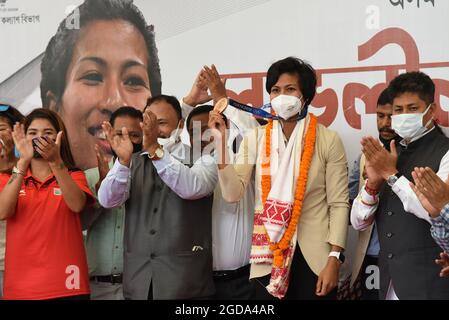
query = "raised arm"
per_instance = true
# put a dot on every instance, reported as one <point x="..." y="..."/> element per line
<point x="433" y="193"/>
<point x="233" y="178"/>
<point x="198" y="95"/>
<point x="10" y="192"/>
<point x="191" y="183"/>
<point x="366" y="203"/>
<point x="114" y="189"/>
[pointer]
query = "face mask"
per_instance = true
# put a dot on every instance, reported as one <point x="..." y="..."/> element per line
<point x="163" y="141"/>
<point x="286" y="106"/>
<point x="409" y="125"/>
<point x="173" y="139"/>
<point x="137" y="147"/>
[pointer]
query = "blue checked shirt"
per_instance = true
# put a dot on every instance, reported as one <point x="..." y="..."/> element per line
<point x="440" y="228"/>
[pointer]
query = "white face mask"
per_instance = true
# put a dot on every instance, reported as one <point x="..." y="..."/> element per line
<point x="286" y="106"/>
<point x="409" y="125"/>
<point x="173" y="139"/>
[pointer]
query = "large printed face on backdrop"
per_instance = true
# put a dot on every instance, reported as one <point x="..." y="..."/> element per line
<point x="108" y="69"/>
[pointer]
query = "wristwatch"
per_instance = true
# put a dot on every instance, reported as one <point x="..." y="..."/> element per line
<point x="339" y="255"/>
<point x="391" y="180"/>
<point x="158" y="153"/>
<point x="221" y="105"/>
<point x="16" y="170"/>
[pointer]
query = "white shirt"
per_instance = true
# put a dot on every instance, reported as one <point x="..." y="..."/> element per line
<point x="114" y="189"/>
<point x="192" y="183"/>
<point x="362" y="216"/>
<point x="232" y="223"/>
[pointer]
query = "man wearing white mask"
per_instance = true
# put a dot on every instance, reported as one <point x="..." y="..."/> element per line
<point x="189" y="182"/>
<point x="170" y="123"/>
<point x="407" y="250"/>
<point x="299" y="171"/>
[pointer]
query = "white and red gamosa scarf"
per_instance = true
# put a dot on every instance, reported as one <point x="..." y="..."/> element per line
<point x="271" y="220"/>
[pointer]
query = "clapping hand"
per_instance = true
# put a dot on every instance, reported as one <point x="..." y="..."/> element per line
<point x="212" y="79"/>
<point x="24" y="146"/>
<point x="382" y="163"/>
<point x="199" y="92"/>
<point x="121" y="144"/>
<point x="432" y="192"/>
<point x="444" y="263"/>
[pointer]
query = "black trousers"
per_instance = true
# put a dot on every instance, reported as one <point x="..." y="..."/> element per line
<point x="234" y="287"/>
<point x="302" y="282"/>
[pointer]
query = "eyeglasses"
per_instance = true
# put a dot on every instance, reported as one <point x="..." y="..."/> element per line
<point x="4" y="107"/>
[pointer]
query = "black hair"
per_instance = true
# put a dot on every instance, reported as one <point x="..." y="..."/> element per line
<point x="413" y="82"/>
<point x="171" y="100"/>
<point x="126" y="111"/>
<point x="206" y="108"/>
<point x="293" y="65"/>
<point x="59" y="51"/>
<point x="12" y="115"/>
<point x="384" y="98"/>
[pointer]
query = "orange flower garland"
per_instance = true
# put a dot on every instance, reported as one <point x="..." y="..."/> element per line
<point x="266" y="174"/>
<point x="301" y="183"/>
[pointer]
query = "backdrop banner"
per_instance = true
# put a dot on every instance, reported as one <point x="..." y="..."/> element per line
<point x="356" y="47"/>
